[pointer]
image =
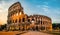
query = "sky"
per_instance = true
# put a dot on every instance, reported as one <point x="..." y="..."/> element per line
<point x="50" y="8"/>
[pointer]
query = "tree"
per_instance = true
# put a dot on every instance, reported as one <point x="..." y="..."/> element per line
<point x="2" y="27"/>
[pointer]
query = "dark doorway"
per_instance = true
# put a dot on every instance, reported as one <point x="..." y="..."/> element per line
<point x="23" y="19"/>
<point x="33" y="28"/>
<point x="28" y="20"/>
<point x="19" y="20"/>
<point x="37" y="28"/>
<point x="16" y="21"/>
<point x="42" y="28"/>
<point x="23" y="29"/>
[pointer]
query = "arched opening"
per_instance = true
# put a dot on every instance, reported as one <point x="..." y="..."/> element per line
<point x="41" y="22"/>
<point x="23" y="28"/>
<point x="37" y="28"/>
<point x="38" y="21"/>
<point x="33" y="28"/>
<point x="28" y="20"/>
<point x="42" y="28"/>
<point x="32" y="19"/>
<point x="23" y="20"/>
<point x="13" y="21"/>
<point x="16" y="21"/>
<point x="19" y="20"/>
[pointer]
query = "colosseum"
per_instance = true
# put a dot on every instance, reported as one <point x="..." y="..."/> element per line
<point x="19" y="21"/>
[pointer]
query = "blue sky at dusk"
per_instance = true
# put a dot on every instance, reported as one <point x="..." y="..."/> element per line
<point x="50" y="8"/>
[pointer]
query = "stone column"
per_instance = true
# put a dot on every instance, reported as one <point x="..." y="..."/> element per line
<point x="45" y="26"/>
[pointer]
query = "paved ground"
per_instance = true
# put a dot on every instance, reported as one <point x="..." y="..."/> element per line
<point x="24" y="33"/>
<point x="8" y="33"/>
<point x="11" y="32"/>
<point x="35" y="33"/>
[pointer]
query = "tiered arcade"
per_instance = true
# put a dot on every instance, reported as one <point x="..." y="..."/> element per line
<point x="17" y="20"/>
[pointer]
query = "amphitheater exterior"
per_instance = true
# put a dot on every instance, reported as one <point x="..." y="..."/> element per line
<point x="18" y="20"/>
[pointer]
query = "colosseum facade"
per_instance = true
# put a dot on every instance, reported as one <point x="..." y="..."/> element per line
<point x="18" y="20"/>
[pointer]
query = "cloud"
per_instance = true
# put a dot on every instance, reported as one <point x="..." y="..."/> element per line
<point x="56" y="19"/>
<point x="45" y="9"/>
<point x="0" y="10"/>
<point x="4" y="5"/>
<point x="51" y="12"/>
<point x="38" y="6"/>
<point x="45" y="3"/>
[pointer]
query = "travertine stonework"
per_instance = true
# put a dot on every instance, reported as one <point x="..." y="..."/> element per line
<point x="17" y="20"/>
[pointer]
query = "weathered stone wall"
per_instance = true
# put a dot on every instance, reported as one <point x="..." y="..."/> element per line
<point x="17" y="20"/>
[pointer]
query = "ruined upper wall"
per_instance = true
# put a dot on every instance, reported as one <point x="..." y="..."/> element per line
<point x="15" y="6"/>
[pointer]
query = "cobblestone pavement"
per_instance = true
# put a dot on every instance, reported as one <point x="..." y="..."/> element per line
<point x="23" y="33"/>
<point x="35" y="33"/>
<point x="12" y="32"/>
